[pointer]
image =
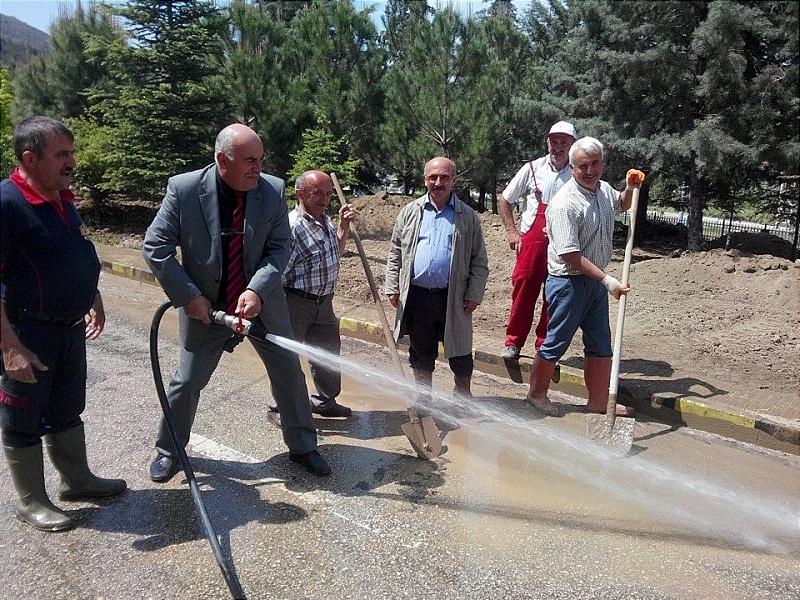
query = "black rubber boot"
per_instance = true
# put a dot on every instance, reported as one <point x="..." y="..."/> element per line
<point x="462" y="385"/>
<point x="33" y="506"/>
<point x="67" y="451"/>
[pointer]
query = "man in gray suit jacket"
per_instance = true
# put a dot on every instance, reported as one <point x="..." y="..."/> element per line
<point x="199" y="214"/>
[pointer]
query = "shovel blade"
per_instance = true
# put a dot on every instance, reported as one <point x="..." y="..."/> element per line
<point x="619" y="440"/>
<point x="424" y="437"/>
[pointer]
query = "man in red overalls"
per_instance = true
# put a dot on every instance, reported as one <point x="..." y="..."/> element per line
<point x="535" y="183"/>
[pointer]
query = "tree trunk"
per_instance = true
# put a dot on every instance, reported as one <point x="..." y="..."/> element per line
<point x="641" y="215"/>
<point x="482" y="198"/>
<point x="694" y="217"/>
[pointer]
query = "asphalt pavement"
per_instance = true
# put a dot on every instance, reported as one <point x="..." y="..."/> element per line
<point x="763" y="417"/>
<point x="516" y="507"/>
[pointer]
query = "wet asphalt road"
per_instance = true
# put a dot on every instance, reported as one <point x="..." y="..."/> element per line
<point x="517" y="507"/>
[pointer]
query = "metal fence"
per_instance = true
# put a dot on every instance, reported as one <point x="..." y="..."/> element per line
<point x="714" y="227"/>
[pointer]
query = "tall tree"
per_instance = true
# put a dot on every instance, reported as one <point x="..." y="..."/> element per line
<point x="257" y="80"/>
<point x="338" y="66"/>
<point x="168" y="102"/>
<point x="504" y="76"/>
<point x="403" y="21"/>
<point x="428" y="84"/>
<point x="59" y="82"/>
<point x="32" y="90"/>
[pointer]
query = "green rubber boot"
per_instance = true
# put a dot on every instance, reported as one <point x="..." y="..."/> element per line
<point x="33" y="506"/>
<point x="67" y="451"/>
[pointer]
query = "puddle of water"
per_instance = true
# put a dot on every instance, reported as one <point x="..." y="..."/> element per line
<point x="689" y="500"/>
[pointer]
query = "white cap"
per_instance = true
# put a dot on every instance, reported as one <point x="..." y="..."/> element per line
<point x="564" y="127"/>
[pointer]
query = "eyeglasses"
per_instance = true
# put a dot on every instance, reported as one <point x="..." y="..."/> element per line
<point x="317" y="192"/>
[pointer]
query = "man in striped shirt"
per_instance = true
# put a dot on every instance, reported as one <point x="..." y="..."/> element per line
<point x="310" y="279"/>
<point x="580" y="223"/>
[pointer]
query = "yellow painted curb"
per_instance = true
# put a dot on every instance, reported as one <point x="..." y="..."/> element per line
<point x="699" y="409"/>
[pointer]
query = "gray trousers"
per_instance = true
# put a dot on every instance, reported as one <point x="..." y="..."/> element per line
<point x="317" y="325"/>
<point x="202" y="347"/>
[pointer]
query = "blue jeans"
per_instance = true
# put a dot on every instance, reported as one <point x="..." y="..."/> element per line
<point x="576" y="301"/>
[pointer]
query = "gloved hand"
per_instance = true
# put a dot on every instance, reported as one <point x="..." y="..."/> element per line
<point x="634" y="178"/>
<point x="612" y="283"/>
<point x="614" y="286"/>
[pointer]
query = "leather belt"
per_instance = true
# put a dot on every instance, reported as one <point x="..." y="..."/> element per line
<point x="308" y="295"/>
<point x="15" y="315"/>
<point x="431" y="290"/>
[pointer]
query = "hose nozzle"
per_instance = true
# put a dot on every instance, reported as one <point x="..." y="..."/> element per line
<point x="237" y="324"/>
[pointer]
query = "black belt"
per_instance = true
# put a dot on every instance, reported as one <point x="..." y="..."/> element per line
<point x="308" y="295"/>
<point x="14" y="315"/>
<point x="431" y="290"/>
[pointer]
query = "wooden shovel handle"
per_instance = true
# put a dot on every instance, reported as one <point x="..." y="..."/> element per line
<point x="626" y="269"/>
<point x="387" y="332"/>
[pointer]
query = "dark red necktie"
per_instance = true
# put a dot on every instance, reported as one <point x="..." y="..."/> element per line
<point x="235" y="276"/>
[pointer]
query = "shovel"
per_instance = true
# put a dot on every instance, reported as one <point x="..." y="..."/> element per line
<point x="609" y="429"/>
<point x="420" y="431"/>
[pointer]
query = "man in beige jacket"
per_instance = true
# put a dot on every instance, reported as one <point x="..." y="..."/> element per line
<point x="436" y="276"/>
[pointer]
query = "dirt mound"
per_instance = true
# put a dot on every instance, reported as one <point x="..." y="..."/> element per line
<point x="753" y="243"/>
<point x="377" y="214"/>
<point x="731" y="315"/>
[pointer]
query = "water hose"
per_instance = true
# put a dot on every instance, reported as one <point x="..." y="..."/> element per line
<point x="227" y="570"/>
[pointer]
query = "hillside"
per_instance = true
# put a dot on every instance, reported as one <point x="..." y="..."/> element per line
<point x="19" y="42"/>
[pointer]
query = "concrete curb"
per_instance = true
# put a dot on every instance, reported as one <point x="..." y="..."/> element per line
<point x="667" y="407"/>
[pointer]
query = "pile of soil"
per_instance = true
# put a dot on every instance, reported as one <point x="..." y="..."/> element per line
<point x="724" y="315"/>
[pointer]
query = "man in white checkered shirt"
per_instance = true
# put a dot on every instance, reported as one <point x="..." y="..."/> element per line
<point x="580" y="223"/>
<point x="309" y="281"/>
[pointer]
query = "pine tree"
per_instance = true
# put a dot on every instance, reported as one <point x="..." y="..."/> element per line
<point x="167" y="104"/>
<point x="319" y="151"/>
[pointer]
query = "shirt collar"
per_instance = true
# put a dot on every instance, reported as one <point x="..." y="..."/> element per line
<point x="553" y="167"/>
<point x="586" y="191"/>
<point x="33" y="197"/>
<point x="429" y="202"/>
<point x="308" y="217"/>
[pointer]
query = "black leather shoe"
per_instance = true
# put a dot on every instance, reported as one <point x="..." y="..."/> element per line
<point x="274" y="418"/>
<point x="164" y="468"/>
<point x="313" y="462"/>
<point x="331" y="409"/>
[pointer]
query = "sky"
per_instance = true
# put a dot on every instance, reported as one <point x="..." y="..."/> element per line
<point x="40" y="13"/>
